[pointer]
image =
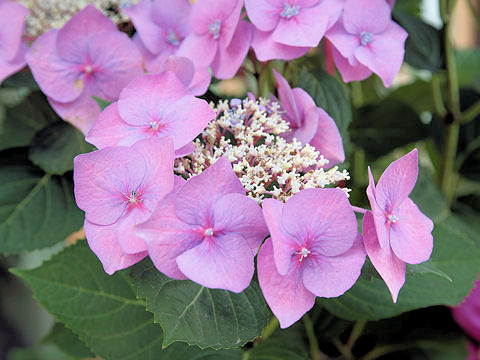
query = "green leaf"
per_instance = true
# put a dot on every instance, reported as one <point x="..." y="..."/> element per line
<point x="383" y="128"/>
<point x="468" y="63"/>
<point x="36" y="209"/>
<point x="55" y="146"/>
<point x="330" y="95"/>
<point x="42" y="352"/>
<point x="68" y="342"/>
<point x="454" y="254"/>
<point x="13" y="96"/>
<point x="276" y="349"/>
<point x="102" y="103"/>
<point x="103" y="310"/>
<point x="423" y="48"/>
<point x="426" y="267"/>
<point x="197" y="315"/>
<point x="418" y="95"/>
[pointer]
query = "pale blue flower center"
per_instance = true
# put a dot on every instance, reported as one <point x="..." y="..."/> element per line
<point x="290" y="11"/>
<point x="392" y="218"/>
<point x="365" y="38"/>
<point x="303" y="253"/>
<point x="172" y="38"/>
<point x="154" y="125"/>
<point x="208" y="232"/>
<point x="214" y="29"/>
<point x="133" y="197"/>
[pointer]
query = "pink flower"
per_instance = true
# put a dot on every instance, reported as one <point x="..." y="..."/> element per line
<point x="314" y="250"/>
<point x="161" y="25"/>
<point x="467" y="314"/>
<point x="117" y="188"/>
<point x="309" y="123"/>
<point x="12" y="50"/>
<point x="286" y="29"/>
<point x="88" y="56"/>
<point x="219" y="39"/>
<point x="395" y="232"/>
<point x="152" y="106"/>
<point x="207" y="230"/>
<point x="366" y="40"/>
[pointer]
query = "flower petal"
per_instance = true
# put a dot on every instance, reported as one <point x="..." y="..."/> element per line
<point x="366" y="15"/>
<point x="262" y="14"/>
<point x="12" y="18"/>
<point x="267" y="49"/>
<point x="348" y="71"/>
<point x="201" y="49"/>
<point x="287" y="100"/>
<point x="9" y="68"/>
<point x="378" y="212"/>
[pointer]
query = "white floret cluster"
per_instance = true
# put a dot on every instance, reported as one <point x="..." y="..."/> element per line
<point x="53" y="14"/>
<point x="266" y="164"/>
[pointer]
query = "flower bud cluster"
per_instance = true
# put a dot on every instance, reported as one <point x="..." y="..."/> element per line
<point x="267" y="165"/>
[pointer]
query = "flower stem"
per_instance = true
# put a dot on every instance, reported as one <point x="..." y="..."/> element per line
<point x="472" y="112"/>
<point x="270" y="328"/>
<point x="359" y="209"/>
<point x="355" y="334"/>
<point x="315" y="352"/>
<point x="386" y="349"/>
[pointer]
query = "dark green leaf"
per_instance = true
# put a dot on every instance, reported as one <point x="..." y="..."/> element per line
<point x="55" y="146"/>
<point x="21" y="79"/>
<point x="328" y="94"/>
<point x="423" y="49"/>
<point x="102" y="103"/>
<point x="426" y="267"/>
<point x="418" y="95"/>
<point x="468" y="63"/>
<point x="68" y="342"/>
<point x="13" y="96"/>
<point x="276" y="349"/>
<point x="36" y="209"/>
<point x="381" y="129"/>
<point x="42" y="352"/>
<point x="197" y="315"/>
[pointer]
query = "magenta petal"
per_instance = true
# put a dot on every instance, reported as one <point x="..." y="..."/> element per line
<point x="103" y="242"/>
<point x="327" y="139"/>
<point x="237" y="213"/>
<point x="9" y="68"/>
<point x="323" y="216"/>
<point x="182" y="67"/>
<point x="228" y="60"/>
<point x="397" y="181"/>
<point x="303" y="100"/>
<point x="12" y="18"/>
<point x="223" y="262"/>
<point x="309" y="126"/>
<point x="152" y="35"/>
<point x="410" y="236"/>
<point x="194" y="200"/>
<point x="343" y="41"/>
<point x="286" y="295"/>
<point x="287" y="99"/>
<point x="378" y="212"/>
<point x="349" y="72"/>
<point x="390" y="268"/>
<point x="366" y="15"/>
<point x="172" y="15"/>
<point x="185" y="150"/>
<point x="200" y="82"/>
<point x="267" y="49"/>
<point x="207" y="11"/>
<point x="262" y="14"/>
<point x="73" y="37"/>
<point x="231" y="25"/>
<point x="57" y="79"/>
<point x="146" y="97"/>
<point x="284" y="245"/>
<point x="129" y="242"/>
<point x="201" y="49"/>
<point x="331" y="276"/>
<point x="466" y="315"/>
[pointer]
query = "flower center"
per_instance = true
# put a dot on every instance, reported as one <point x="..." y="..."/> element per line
<point x="289" y="11"/>
<point x="392" y="218"/>
<point x="133" y="198"/>
<point x="365" y="38"/>
<point x="172" y="38"/>
<point x="303" y="253"/>
<point x="88" y="69"/>
<point x="154" y="125"/>
<point x="208" y="232"/>
<point x="214" y="29"/>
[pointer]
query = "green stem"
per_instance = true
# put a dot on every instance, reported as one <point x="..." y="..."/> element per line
<point x="315" y="352"/>
<point x="386" y="349"/>
<point x="472" y="112"/>
<point x="270" y="328"/>
<point x="344" y="350"/>
<point x="357" y="95"/>
<point x="437" y="96"/>
<point x="356" y="332"/>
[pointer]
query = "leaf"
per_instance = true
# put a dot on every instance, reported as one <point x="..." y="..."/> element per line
<point x="328" y="94"/>
<point x="454" y="254"/>
<point x="198" y="315"/>
<point x="103" y="310"/>
<point x="42" y="352"/>
<point x="426" y="267"/>
<point x="468" y="63"/>
<point x="383" y="128"/>
<point x="276" y="349"/>
<point x="55" y="146"/>
<point x="423" y="48"/>
<point x="102" y="103"/>
<point x="36" y="209"/>
<point x="68" y="342"/>
<point x="418" y="95"/>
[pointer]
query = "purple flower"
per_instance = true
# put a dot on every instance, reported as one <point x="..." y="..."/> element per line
<point x="314" y="250"/>
<point x="207" y="230"/>
<point x="467" y="314"/>
<point x="119" y="187"/>
<point x="366" y="40"/>
<point x="219" y="39"/>
<point x="286" y="29"/>
<point x="395" y="232"/>
<point x="152" y="106"/>
<point x="309" y="123"/>
<point x="12" y="50"/>
<point x="88" y="56"/>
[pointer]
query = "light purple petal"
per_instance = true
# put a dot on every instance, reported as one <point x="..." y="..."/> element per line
<point x="327" y="139"/>
<point x="223" y="262"/>
<point x="200" y="82"/>
<point x="72" y="39"/>
<point x="262" y="14"/>
<point x="286" y="295"/>
<point x="284" y="245"/>
<point x="331" y="276"/>
<point x="267" y="49"/>
<point x="411" y="235"/>
<point x="238" y="214"/>
<point x="366" y="15"/>
<point x="194" y="202"/>
<point x="185" y="150"/>
<point x="390" y="268"/>
<point x="309" y="126"/>
<point x="146" y="97"/>
<point x="322" y="218"/>
<point x="348" y="71"/>
<point x="287" y="100"/>
<point x="201" y="49"/>
<point x="12" y="19"/>
<point x="228" y="60"/>
<point x="103" y="242"/>
<point x="205" y="12"/>
<point x="378" y="212"/>
<point x="58" y="79"/>
<point x="9" y="68"/>
<point x="182" y="67"/>
<point x="343" y="41"/>
<point x="129" y="242"/>
<point x="172" y="15"/>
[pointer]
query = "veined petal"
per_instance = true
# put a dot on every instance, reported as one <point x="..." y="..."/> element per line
<point x="287" y="100"/>
<point x="348" y="71"/>
<point x="378" y="212"/>
<point x="12" y="18"/>
<point x="262" y="14"/>
<point x="267" y="49"/>
<point x="366" y="15"/>
<point x="201" y="49"/>
<point x="9" y="68"/>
